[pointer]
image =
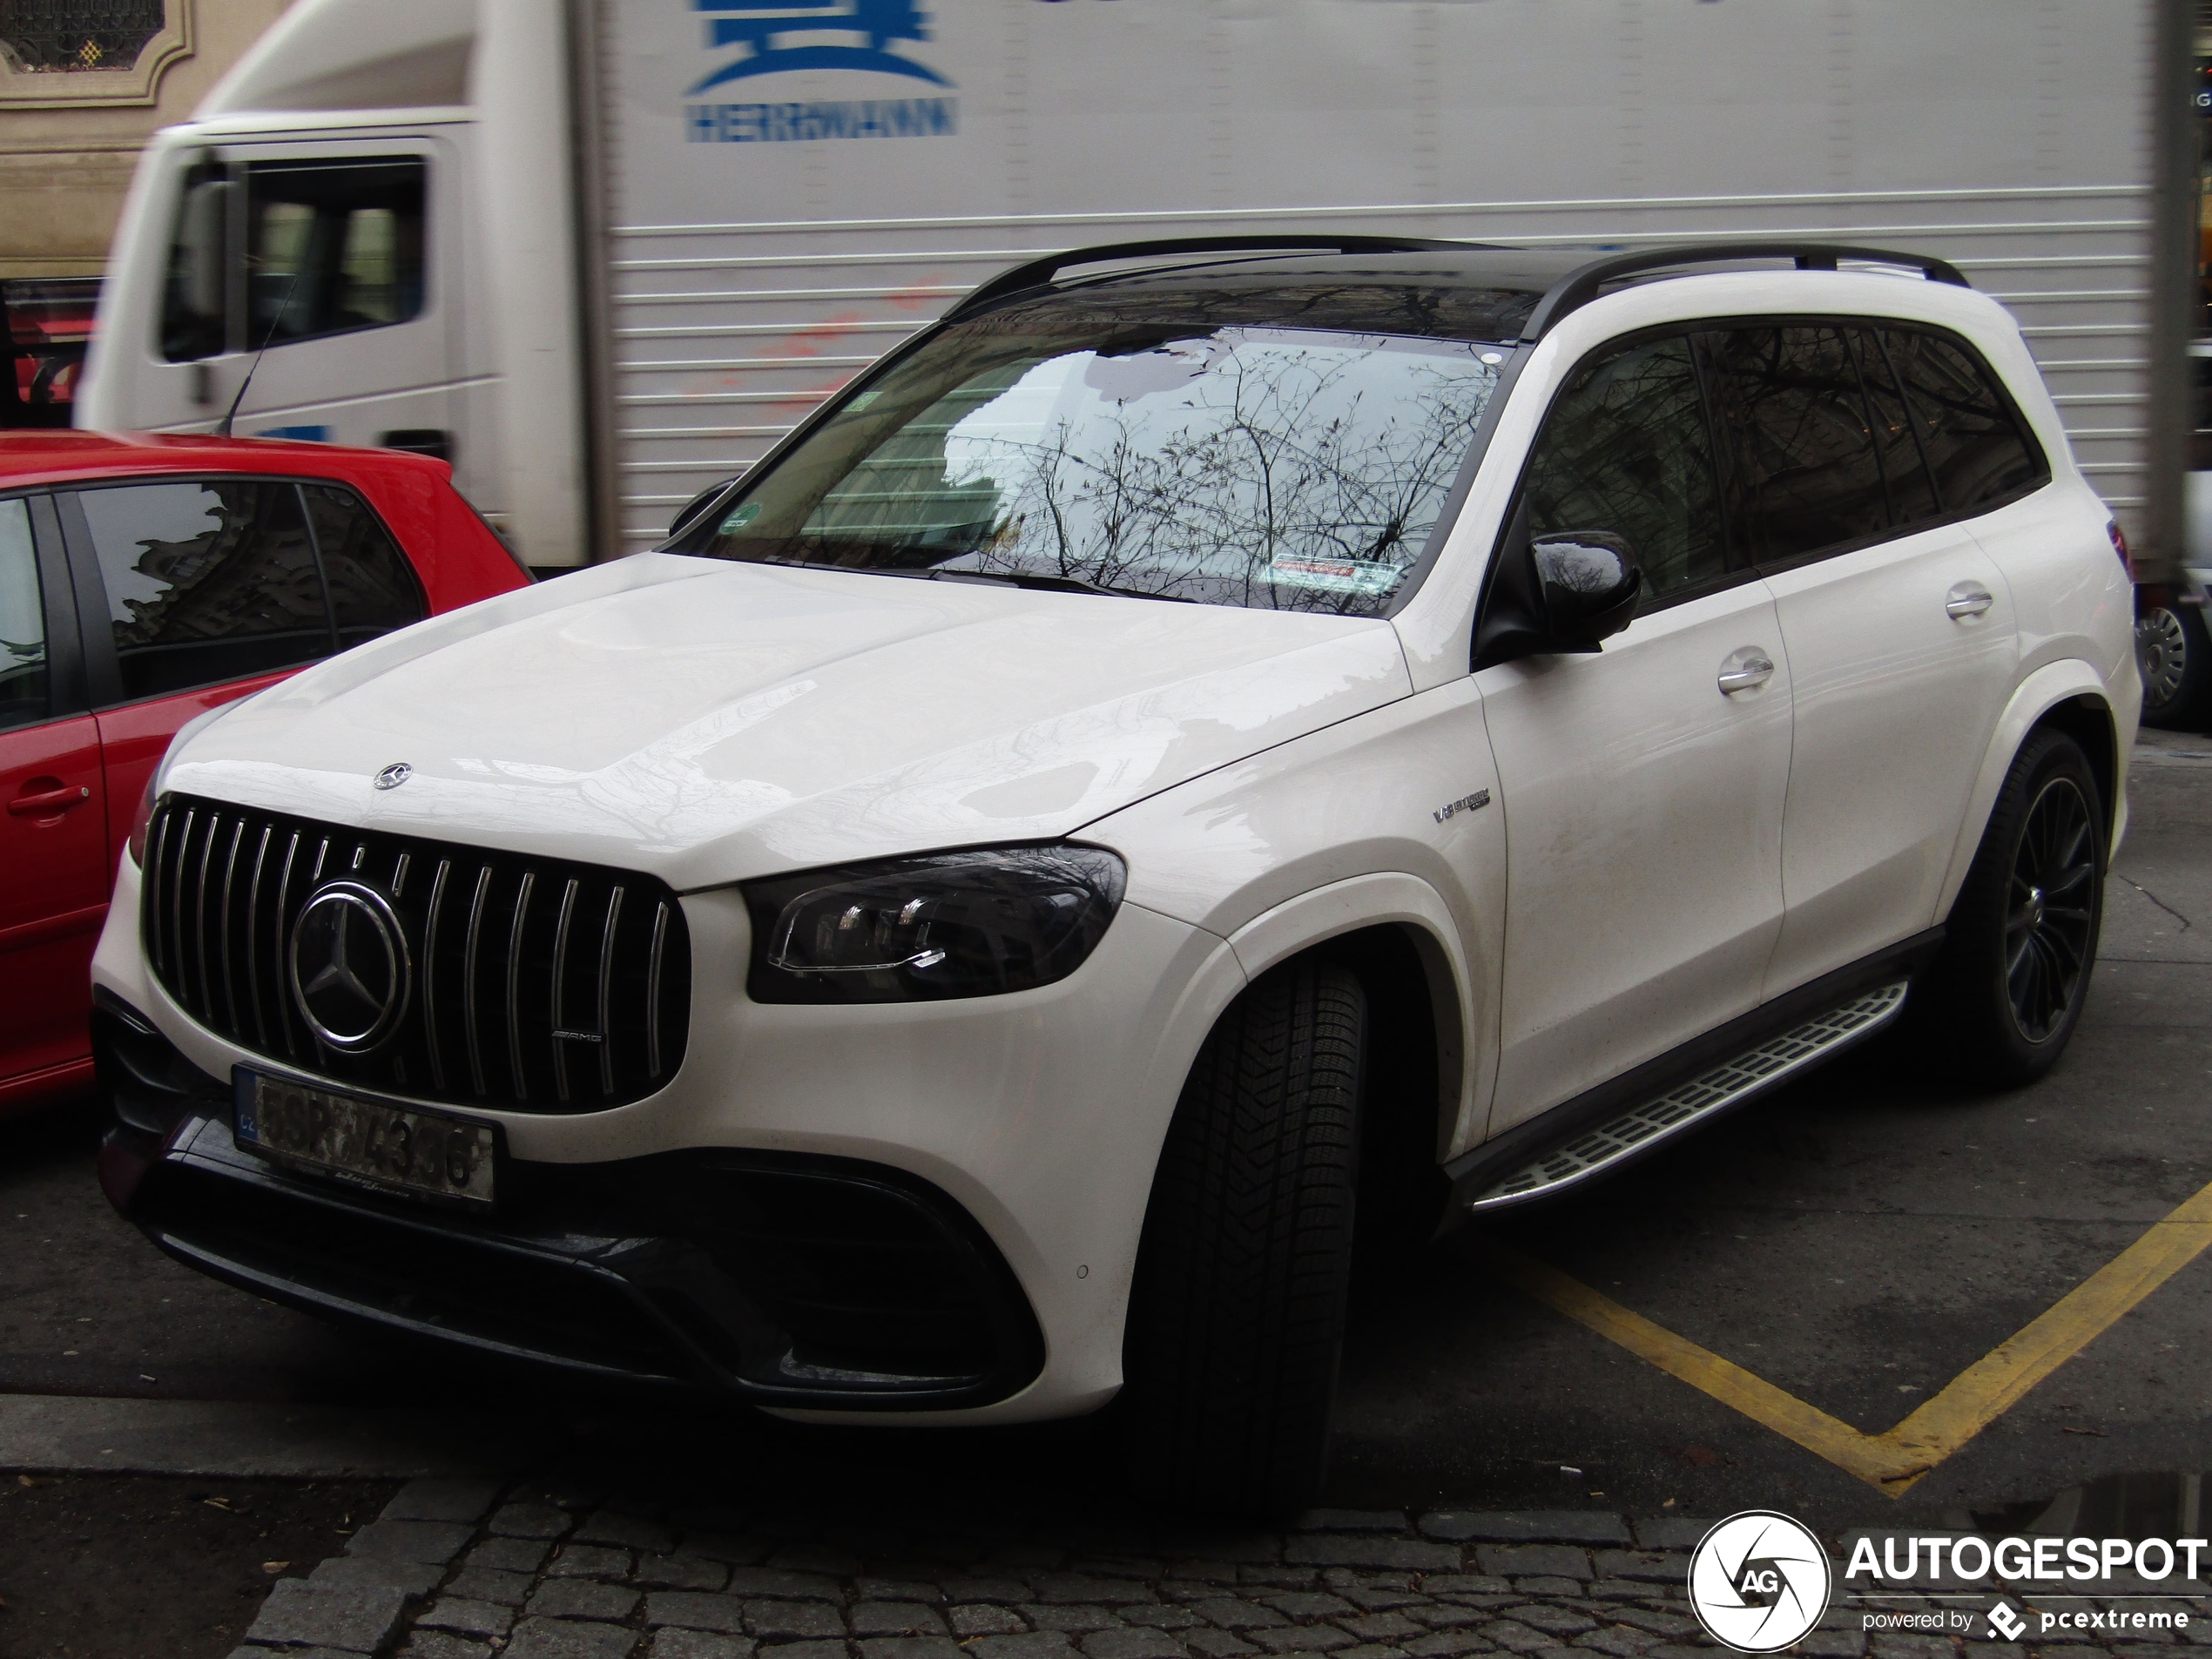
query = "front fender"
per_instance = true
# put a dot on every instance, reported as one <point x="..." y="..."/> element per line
<point x="2035" y="697"/>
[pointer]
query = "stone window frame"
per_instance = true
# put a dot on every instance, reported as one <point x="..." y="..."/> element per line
<point x="83" y="89"/>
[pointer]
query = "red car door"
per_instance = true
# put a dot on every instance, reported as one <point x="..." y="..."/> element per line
<point x="54" y="866"/>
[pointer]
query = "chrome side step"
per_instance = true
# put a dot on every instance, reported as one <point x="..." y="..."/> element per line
<point x="1685" y="1106"/>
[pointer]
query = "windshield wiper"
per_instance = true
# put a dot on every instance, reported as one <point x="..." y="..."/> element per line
<point x="1043" y="583"/>
<point x="1004" y="578"/>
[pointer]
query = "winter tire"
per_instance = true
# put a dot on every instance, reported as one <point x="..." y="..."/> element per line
<point x="1237" y="1318"/>
<point x="2002" y="999"/>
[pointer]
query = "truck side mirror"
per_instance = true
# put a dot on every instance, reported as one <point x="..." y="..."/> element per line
<point x="200" y="238"/>
<point x="1589" y="582"/>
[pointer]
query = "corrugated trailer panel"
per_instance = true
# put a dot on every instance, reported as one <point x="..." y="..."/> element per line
<point x="756" y="263"/>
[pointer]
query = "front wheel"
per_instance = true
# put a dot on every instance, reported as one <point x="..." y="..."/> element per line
<point x="2002" y="999"/>
<point x="1236" y="1317"/>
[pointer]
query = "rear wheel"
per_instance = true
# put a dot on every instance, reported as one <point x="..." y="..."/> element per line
<point x="1237" y="1320"/>
<point x="2001" y="1001"/>
<point x="2174" y="652"/>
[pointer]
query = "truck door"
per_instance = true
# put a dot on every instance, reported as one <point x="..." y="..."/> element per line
<point x="327" y="256"/>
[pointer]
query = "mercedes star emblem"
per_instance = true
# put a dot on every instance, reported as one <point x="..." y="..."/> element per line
<point x="350" y="970"/>
<point x="394" y="775"/>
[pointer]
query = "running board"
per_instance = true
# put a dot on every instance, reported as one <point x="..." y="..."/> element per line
<point x="1643" y="1127"/>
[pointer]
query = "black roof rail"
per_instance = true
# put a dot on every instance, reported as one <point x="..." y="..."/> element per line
<point x="1578" y="286"/>
<point x="1036" y="273"/>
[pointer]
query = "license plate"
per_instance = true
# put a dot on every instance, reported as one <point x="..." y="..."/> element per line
<point x="393" y="1149"/>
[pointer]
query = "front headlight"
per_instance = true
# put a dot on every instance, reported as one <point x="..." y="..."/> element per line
<point x="923" y="929"/>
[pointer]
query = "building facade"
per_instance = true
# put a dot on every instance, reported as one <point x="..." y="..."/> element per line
<point x="83" y="84"/>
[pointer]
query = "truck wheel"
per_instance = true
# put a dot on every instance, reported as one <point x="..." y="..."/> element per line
<point x="1236" y="1317"/>
<point x="2002" y="998"/>
<point x="2175" y="653"/>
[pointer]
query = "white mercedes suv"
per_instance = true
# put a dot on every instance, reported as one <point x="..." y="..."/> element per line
<point x="1210" y="753"/>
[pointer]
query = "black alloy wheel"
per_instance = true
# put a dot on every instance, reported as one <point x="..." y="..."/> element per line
<point x="1999" y="1004"/>
<point x="2048" y="926"/>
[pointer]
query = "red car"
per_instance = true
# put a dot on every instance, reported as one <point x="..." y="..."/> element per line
<point x="144" y="581"/>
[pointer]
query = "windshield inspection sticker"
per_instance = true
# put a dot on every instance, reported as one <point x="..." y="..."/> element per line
<point x="1334" y="575"/>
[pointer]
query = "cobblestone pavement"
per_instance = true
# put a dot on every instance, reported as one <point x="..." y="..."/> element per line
<point x="463" y="1569"/>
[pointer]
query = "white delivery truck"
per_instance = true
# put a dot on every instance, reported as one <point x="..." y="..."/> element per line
<point x="602" y="252"/>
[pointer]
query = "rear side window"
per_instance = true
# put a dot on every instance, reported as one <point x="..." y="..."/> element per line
<point x="1626" y="449"/>
<point x="1974" y="447"/>
<point x="214" y="581"/>
<point x="1904" y="463"/>
<point x="24" y="695"/>
<point x="1802" y="468"/>
<point x="373" y="589"/>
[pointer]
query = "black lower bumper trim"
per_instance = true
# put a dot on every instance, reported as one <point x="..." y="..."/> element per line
<point x="801" y="1281"/>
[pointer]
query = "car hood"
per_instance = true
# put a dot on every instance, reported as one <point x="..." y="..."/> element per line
<point x="707" y="722"/>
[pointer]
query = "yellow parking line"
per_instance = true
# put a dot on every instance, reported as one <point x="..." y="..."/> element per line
<point x="1978" y="1397"/>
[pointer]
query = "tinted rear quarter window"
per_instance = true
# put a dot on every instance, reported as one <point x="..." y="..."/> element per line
<point x="1804" y="475"/>
<point x="1904" y="464"/>
<point x="1626" y="449"/>
<point x="1976" y="451"/>
<point x="373" y="589"/>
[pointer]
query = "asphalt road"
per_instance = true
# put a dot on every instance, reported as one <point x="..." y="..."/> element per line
<point x="1858" y="1240"/>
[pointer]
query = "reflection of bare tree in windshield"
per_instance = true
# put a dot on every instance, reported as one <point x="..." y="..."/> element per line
<point x="1269" y="482"/>
<point x="1281" y="468"/>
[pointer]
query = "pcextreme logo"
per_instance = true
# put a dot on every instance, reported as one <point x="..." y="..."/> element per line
<point x="781" y="36"/>
<point x="1758" y="1582"/>
<point x="2068" y="1583"/>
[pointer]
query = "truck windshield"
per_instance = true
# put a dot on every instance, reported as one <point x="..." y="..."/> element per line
<point x="1280" y="468"/>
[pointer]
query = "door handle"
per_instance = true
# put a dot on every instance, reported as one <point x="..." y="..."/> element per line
<point x="1967" y="599"/>
<point x="50" y="800"/>
<point x="1745" y="671"/>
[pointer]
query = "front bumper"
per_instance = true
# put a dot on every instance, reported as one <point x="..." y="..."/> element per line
<point x="1032" y="1120"/>
<point x="791" y="1280"/>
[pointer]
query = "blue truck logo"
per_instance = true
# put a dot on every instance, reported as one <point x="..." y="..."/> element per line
<point x="763" y="27"/>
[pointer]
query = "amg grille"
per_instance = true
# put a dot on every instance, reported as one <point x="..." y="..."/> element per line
<point x="530" y="985"/>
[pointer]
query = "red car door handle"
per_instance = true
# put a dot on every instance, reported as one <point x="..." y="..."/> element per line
<point x="52" y="800"/>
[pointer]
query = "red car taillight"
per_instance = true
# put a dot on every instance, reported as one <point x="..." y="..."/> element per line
<point x="138" y="822"/>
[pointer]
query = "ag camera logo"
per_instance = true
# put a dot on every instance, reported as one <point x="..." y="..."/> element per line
<point x="1759" y="1581"/>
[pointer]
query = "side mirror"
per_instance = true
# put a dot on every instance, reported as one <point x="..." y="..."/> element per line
<point x="689" y="514"/>
<point x="201" y="246"/>
<point x="1587" y="583"/>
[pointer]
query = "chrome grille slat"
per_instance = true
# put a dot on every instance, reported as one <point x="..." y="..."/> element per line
<point x="223" y="886"/>
<point x="154" y="875"/>
<point x="199" y="918"/>
<point x="283" y="975"/>
<point x="177" y="908"/>
<point x="253" y="934"/>
<point x="560" y="975"/>
<point x="652" y="993"/>
<point x="230" y="874"/>
<point x="606" y="991"/>
<point x="468" y="980"/>
<point x="514" y="984"/>
<point x="430" y="974"/>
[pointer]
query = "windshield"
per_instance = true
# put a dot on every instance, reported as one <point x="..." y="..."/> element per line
<point x="1283" y="469"/>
